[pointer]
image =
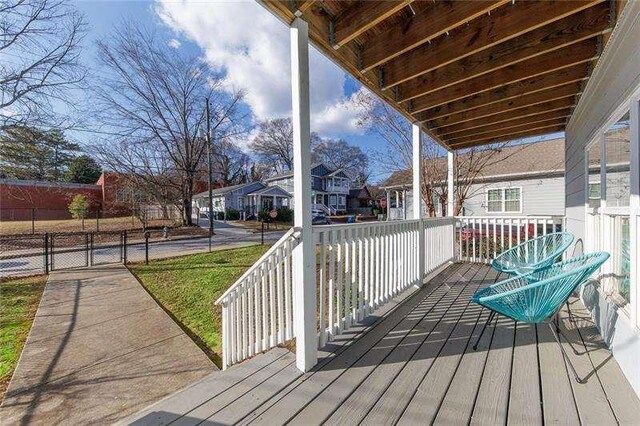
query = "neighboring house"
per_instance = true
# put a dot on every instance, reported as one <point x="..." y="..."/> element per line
<point x="522" y="180"/>
<point x="329" y="187"/>
<point x="360" y="200"/>
<point x="247" y="198"/>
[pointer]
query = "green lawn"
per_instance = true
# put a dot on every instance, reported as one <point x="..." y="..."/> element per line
<point x="19" y="299"/>
<point x="187" y="287"/>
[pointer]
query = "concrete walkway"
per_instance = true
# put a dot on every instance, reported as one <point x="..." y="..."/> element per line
<point x="99" y="350"/>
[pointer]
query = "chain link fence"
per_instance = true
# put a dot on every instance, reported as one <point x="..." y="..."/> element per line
<point x="22" y="255"/>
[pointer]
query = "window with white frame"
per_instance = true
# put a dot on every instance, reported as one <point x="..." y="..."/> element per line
<point x="504" y="200"/>
<point x="617" y="144"/>
<point x="593" y="167"/>
<point x="594" y="195"/>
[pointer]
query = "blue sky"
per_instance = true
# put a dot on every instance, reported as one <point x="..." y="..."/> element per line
<point x="251" y="47"/>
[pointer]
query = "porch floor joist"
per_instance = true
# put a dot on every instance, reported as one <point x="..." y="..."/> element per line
<point x="415" y="364"/>
<point x="435" y="60"/>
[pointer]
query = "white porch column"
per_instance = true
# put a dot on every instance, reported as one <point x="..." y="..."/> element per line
<point x="634" y="213"/>
<point x="450" y="184"/>
<point x="304" y="307"/>
<point x="417" y="197"/>
<point x="404" y="203"/>
<point x="388" y="205"/>
<point x="417" y="173"/>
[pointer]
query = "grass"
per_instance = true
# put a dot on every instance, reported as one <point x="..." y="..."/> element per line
<point x="75" y="225"/>
<point x="19" y="299"/>
<point x="187" y="288"/>
<point x="257" y="226"/>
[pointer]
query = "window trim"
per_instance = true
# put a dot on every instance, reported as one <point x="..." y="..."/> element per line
<point x="503" y="200"/>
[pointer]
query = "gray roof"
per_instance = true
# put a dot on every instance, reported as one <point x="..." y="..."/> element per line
<point x="225" y="190"/>
<point x="274" y="188"/>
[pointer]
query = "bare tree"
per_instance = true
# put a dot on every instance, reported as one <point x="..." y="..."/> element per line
<point x="384" y="121"/>
<point x="230" y="164"/>
<point x="153" y="99"/>
<point x="340" y="155"/>
<point x="274" y="143"/>
<point x="39" y="47"/>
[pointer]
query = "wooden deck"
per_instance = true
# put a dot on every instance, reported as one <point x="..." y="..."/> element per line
<point x="414" y="364"/>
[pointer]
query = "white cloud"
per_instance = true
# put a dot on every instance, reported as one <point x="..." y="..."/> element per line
<point x="174" y="43"/>
<point x="252" y="47"/>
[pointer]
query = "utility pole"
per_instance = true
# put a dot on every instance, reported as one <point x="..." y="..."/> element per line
<point x="210" y="170"/>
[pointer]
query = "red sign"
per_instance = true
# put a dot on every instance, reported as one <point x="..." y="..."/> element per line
<point x="273" y="214"/>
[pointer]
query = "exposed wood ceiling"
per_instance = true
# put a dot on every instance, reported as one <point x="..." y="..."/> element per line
<point x="471" y="72"/>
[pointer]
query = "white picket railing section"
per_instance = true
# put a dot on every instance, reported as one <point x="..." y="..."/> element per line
<point x="610" y="231"/>
<point x="257" y="311"/>
<point x="362" y="266"/>
<point x="481" y="239"/>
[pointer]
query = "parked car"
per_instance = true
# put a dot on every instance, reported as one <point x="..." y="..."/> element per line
<point x="320" y="219"/>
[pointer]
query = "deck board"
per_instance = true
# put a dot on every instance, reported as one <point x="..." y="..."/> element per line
<point x="525" y="405"/>
<point x="419" y="348"/>
<point x="424" y="364"/>
<point x="414" y="364"/>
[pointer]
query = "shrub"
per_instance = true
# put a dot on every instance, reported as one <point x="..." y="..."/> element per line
<point x="233" y="214"/>
<point x="285" y="214"/>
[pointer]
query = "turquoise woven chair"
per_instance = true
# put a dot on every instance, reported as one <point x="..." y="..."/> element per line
<point x="537" y="297"/>
<point x="533" y="254"/>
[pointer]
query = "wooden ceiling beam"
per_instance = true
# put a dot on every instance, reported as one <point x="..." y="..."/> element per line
<point x="361" y="17"/>
<point x="565" y="32"/>
<point x="301" y="6"/>
<point x="567" y="91"/>
<point x="534" y="89"/>
<point x="558" y="121"/>
<point x="433" y="21"/>
<point x="505" y="23"/>
<point x="513" y="125"/>
<point x="507" y="117"/>
<point x="582" y="52"/>
<point x="544" y="130"/>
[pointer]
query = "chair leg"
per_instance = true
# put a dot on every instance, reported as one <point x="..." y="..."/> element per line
<point x="569" y="312"/>
<point x="556" y="322"/>
<point x="564" y="354"/>
<point x="491" y="316"/>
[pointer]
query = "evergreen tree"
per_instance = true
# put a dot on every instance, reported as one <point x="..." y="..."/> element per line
<point x="83" y="169"/>
<point x="30" y="153"/>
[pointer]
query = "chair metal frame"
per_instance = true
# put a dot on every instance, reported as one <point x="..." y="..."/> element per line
<point x="522" y="287"/>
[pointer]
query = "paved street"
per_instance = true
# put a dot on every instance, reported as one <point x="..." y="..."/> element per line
<point x="226" y="236"/>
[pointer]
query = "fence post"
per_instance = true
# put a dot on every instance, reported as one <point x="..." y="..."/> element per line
<point x="51" y="250"/>
<point x="98" y="220"/>
<point x="33" y="221"/>
<point x="86" y="247"/>
<point x="124" y="246"/>
<point x="262" y="232"/>
<point x="146" y="248"/>
<point x="91" y="249"/>
<point x="46" y="253"/>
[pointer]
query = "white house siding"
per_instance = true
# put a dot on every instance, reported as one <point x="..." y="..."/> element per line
<point x="540" y="197"/>
<point x="613" y="83"/>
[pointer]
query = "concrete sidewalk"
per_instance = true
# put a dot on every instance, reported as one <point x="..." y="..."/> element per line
<point x="99" y="350"/>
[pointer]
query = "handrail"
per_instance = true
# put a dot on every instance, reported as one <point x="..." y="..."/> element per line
<point x="257" y="264"/>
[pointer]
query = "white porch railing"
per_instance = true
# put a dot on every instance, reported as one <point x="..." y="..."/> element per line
<point x="362" y="266"/>
<point x="481" y="239"/>
<point x="257" y="311"/>
<point x="610" y="231"/>
<point x="359" y="268"/>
